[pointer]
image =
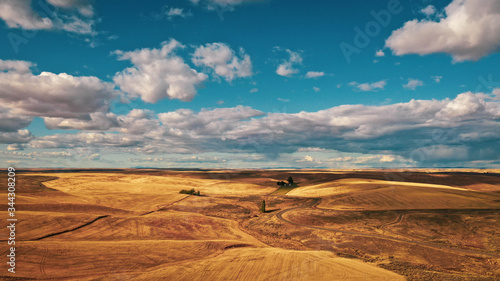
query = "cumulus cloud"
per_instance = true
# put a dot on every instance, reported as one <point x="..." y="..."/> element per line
<point x="287" y="68"/>
<point x="470" y="30"/>
<point x="96" y="121"/>
<point x="16" y="66"/>
<point x="74" y="16"/>
<point x="315" y="74"/>
<point x="223" y="61"/>
<point x="138" y="121"/>
<point x="158" y="74"/>
<point x="97" y="139"/>
<point x="206" y="122"/>
<point x="368" y="87"/>
<point x="465" y="128"/>
<point x="19" y="14"/>
<point x="21" y="136"/>
<point x="51" y="95"/>
<point x="401" y="128"/>
<point x="465" y="106"/>
<point x="413" y="84"/>
<point x="15" y="147"/>
<point x="379" y="53"/>
<point x="429" y="10"/>
<point x="12" y="122"/>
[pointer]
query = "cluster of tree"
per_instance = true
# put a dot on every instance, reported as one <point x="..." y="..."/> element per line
<point x="282" y="183"/>
<point x="191" y="192"/>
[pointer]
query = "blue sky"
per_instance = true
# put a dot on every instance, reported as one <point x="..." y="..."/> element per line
<point x="249" y="84"/>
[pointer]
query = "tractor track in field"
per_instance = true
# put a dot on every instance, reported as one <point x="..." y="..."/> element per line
<point x="316" y="202"/>
<point x="42" y="263"/>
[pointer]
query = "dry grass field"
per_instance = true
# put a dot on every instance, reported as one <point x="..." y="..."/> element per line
<point x="334" y="225"/>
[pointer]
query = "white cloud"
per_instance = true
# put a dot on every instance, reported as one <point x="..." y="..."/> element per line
<point x="466" y="105"/>
<point x="169" y="13"/>
<point x="437" y="78"/>
<point x="74" y="16"/>
<point x="470" y="30"/>
<point x="172" y="12"/>
<point x="158" y="74"/>
<point x="429" y="10"/>
<point x="83" y="6"/>
<point x="315" y="74"/>
<point x="207" y="122"/>
<point x="310" y="149"/>
<point x="21" y="136"/>
<point x="96" y="121"/>
<point x="16" y="66"/>
<point x="51" y="95"/>
<point x="228" y="5"/>
<point x="308" y="158"/>
<point x="223" y="61"/>
<point x="15" y="147"/>
<point x="10" y="122"/>
<point x="316" y="89"/>
<point x="96" y="139"/>
<point x="367" y="87"/>
<point x="379" y="53"/>
<point x="75" y="24"/>
<point x="387" y="158"/>
<point x="413" y="132"/>
<point x="19" y="14"/>
<point x="287" y="68"/>
<point x="138" y="122"/>
<point x="413" y="84"/>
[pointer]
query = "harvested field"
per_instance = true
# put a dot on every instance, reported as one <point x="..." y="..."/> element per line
<point x="334" y="225"/>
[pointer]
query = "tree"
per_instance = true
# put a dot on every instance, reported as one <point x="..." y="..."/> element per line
<point x="290" y="180"/>
<point x="198" y="193"/>
<point x="263" y="206"/>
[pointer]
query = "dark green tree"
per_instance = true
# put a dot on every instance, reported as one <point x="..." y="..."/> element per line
<point x="263" y="206"/>
<point x="290" y="180"/>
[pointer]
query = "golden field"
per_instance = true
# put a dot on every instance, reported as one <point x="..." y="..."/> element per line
<point x="333" y="225"/>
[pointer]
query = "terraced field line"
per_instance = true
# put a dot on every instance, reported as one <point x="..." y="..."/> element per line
<point x="162" y="208"/>
<point x="72" y="229"/>
<point x="280" y="214"/>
